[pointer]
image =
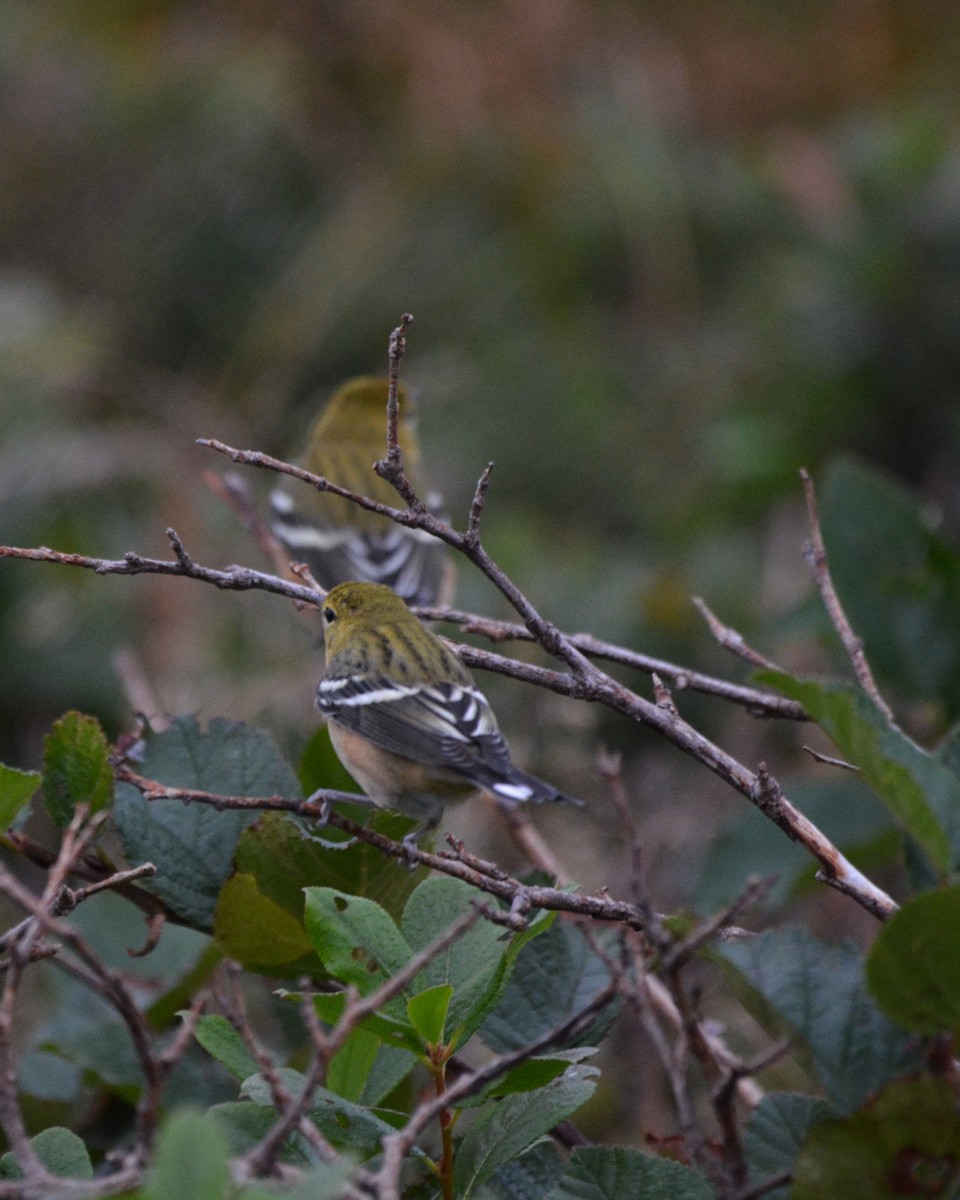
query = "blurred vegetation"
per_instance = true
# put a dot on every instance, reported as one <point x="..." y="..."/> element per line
<point x="659" y="258"/>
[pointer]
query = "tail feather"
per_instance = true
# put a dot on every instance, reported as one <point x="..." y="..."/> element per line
<point x="521" y="788"/>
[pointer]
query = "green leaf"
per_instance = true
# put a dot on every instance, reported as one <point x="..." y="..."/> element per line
<point x="190" y="1161"/>
<point x="906" y="1143"/>
<point x="220" y="1040"/>
<point x="324" y="1181"/>
<point x="845" y="809"/>
<point x="922" y="795"/>
<point x="776" y="1130"/>
<point x="357" y="941"/>
<point x="61" y="1152"/>
<point x="504" y="1130"/>
<point x="339" y="1120"/>
<point x="898" y="579"/>
<point x="16" y="788"/>
<point x="613" y="1173"/>
<point x="914" y="966"/>
<point x="476" y="964"/>
<point x="817" y="994"/>
<point x="529" y="1176"/>
<point x="428" y="1012"/>
<point x="286" y="855"/>
<point x="350" y="1067"/>
<point x="245" y="1123"/>
<point x="257" y="932"/>
<point x="76" y="767"/>
<point x="555" y="976"/>
<point x="535" y="1073"/>
<point x="193" y="845"/>
<point x="393" y="1029"/>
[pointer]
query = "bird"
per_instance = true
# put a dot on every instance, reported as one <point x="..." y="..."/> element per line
<point x="405" y="716"/>
<point x="339" y="540"/>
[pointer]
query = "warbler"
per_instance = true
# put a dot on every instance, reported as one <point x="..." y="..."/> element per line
<point x="339" y="540"/>
<point x="405" y="716"/>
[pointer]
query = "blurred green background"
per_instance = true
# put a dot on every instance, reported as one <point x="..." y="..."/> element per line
<point x="660" y="257"/>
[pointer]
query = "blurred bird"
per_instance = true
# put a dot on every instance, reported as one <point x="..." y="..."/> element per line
<point x="405" y="716"/>
<point x="340" y="541"/>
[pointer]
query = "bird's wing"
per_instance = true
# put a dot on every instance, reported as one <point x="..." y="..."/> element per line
<point x="411" y="561"/>
<point x="442" y="725"/>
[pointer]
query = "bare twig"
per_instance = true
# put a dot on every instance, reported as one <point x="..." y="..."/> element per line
<point x="815" y="553"/>
<point x="485" y="877"/>
<point x="730" y="638"/>
<point x="828" y="761"/>
<point x="478" y="503"/>
<point x="530" y="841"/>
<point x="237" y="578"/>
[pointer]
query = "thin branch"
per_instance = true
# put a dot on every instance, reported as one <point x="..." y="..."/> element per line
<point x="828" y="761"/>
<point x="730" y="639"/>
<point x="237" y="578"/>
<point x="478" y="504"/>
<point x="398" y="347"/>
<point x="485" y="877"/>
<point x="587" y="683"/>
<point x="757" y="701"/>
<point x="235" y="492"/>
<point x="815" y="553"/>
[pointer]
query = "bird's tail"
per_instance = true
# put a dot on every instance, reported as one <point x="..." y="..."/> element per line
<point x="521" y="788"/>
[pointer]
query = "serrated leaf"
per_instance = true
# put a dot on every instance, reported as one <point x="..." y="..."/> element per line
<point x="76" y="767"/>
<point x="190" y="1160"/>
<point x="504" y="1130"/>
<point x="614" y="1173"/>
<point x="16" y="788"/>
<point x="258" y="933"/>
<point x="193" y="845"/>
<point x="61" y="1152"/>
<point x="817" y="994"/>
<point x="220" y="1040"/>
<point x="529" y="1176"/>
<point x="914" y="965"/>
<point x="286" y="855"/>
<point x="921" y="794"/>
<point x="905" y="1143"/>
<point x="776" y="1130"/>
<point x="357" y="941"/>
<point x="555" y="976"/>
<point x="427" y="1012"/>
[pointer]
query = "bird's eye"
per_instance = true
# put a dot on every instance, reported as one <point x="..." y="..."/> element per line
<point x="329" y="615"/>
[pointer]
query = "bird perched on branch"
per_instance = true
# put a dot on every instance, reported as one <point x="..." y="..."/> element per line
<point x="339" y="540"/>
<point x="405" y="716"/>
